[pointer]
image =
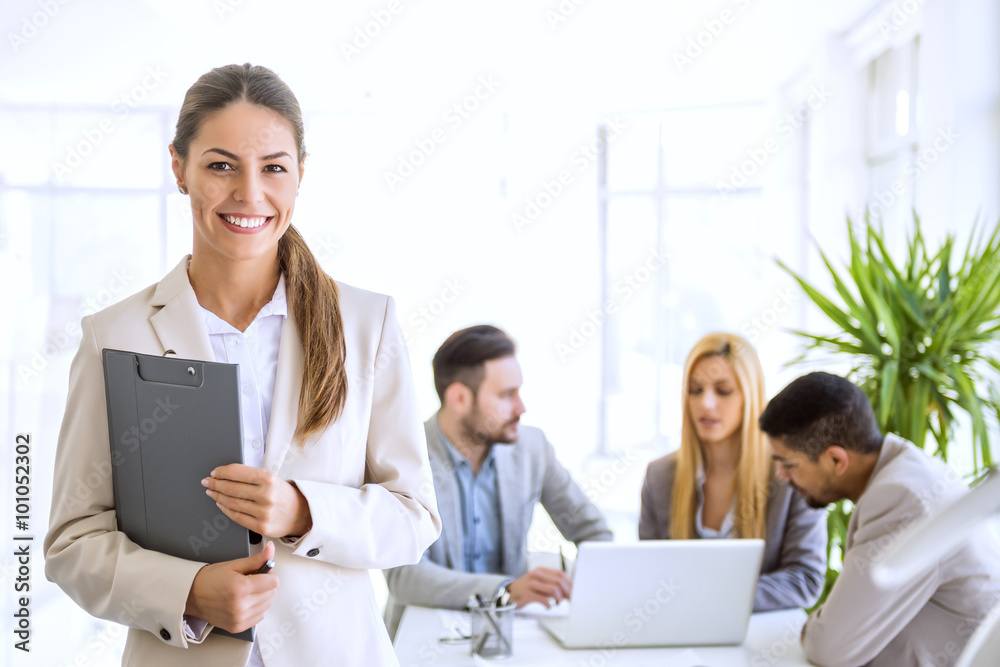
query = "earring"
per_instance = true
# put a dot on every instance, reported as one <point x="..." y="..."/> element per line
<point x="181" y="189"/>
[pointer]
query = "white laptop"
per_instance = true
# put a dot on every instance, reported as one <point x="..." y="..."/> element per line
<point x="660" y="593"/>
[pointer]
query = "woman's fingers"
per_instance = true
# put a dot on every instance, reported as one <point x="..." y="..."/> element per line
<point x="259" y="500"/>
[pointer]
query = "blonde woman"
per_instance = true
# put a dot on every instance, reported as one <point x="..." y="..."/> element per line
<point x="335" y="474"/>
<point x="721" y="482"/>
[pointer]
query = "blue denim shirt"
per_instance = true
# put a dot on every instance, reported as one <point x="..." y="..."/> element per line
<point x="481" y="544"/>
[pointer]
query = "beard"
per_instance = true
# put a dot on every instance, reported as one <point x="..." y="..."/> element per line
<point x="811" y="501"/>
<point x="487" y="431"/>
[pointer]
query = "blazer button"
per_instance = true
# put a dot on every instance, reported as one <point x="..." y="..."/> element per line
<point x="165" y="634"/>
<point x="312" y="553"/>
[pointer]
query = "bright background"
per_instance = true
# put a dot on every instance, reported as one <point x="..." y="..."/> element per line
<point x="615" y="181"/>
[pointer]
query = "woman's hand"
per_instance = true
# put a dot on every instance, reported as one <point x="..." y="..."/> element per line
<point x="259" y="500"/>
<point x="230" y="595"/>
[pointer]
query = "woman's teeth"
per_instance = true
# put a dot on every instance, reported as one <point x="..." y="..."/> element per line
<point x="244" y="222"/>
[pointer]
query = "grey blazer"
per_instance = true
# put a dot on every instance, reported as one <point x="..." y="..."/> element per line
<point x="527" y="473"/>
<point x="794" y="566"/>
<point x="926" y="620"/>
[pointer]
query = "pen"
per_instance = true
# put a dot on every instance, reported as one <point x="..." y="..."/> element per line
<point x="266" y="567"/>
<point x="562" y="559"/>
<point x="493" y="622"/>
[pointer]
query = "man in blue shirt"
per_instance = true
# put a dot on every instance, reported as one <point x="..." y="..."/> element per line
<point x="489" y="473"/>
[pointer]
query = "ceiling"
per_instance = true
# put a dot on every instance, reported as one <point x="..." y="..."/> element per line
<point x="597" y="56"/>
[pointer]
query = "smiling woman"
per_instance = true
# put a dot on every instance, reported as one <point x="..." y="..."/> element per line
<point x="236" y="184"/>
<point x="334" y="466"/>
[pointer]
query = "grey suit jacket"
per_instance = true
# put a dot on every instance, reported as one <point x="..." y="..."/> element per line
<point x="926" y="621"/>
<point x="527" y="473"/>
<point x="794" y="566"/>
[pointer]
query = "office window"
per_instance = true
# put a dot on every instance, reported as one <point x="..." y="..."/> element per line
<point x="892" y="124"/>
<point x="684" y="254"/>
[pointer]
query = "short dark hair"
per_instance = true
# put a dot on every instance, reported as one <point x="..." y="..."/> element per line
<point x="461" y="358"/>
<point x="819" y="410"/>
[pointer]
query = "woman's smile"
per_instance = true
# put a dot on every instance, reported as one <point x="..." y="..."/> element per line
<point x="245" y="224"/>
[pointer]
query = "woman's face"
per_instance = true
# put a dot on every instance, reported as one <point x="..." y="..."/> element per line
<point x="242" y="174"/>
<point x="715" y="400"/>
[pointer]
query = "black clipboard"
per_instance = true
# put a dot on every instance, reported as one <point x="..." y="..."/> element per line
<point x="171" y="421"/>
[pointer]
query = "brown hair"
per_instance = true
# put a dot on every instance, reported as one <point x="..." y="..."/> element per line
<point x="753" y="476"/>
<point x="461" y="358"/>
<point x="312" y="295"/>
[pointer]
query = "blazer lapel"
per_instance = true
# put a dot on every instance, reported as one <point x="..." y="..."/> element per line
<point x="446" y="489"/>
<point x="179" y="323"/>
<point x="285" y="403"/>
<point x="180" y="326"/>
<point x="511" y="500"/>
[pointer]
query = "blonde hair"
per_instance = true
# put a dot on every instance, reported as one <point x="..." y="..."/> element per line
<point x="755" y="471"/>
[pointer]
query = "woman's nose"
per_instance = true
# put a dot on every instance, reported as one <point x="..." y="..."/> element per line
<point x="708" y="399"/>
<point x="248" y="189"/>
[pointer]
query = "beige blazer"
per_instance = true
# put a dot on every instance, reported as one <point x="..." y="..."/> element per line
<point x="924" y="621"/>
<point x="367" y="480"/>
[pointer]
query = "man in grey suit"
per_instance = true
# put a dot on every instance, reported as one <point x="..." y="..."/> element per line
<point x="489" y="474"/>
<point x="828" y="446"/>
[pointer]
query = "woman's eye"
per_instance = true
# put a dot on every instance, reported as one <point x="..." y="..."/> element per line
<point x="694" y="391"/>
<point x="220" y="166"/>
<point x="275" y="168"/>
<point x="725" y="392"/>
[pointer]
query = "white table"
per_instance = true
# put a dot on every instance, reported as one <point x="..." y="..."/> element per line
<point x="772" y="641"/>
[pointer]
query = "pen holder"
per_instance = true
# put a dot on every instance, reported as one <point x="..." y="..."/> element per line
<point x="492" y="631"/>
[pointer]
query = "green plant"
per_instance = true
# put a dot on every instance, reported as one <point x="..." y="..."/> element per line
<point x="919" y="334"/>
